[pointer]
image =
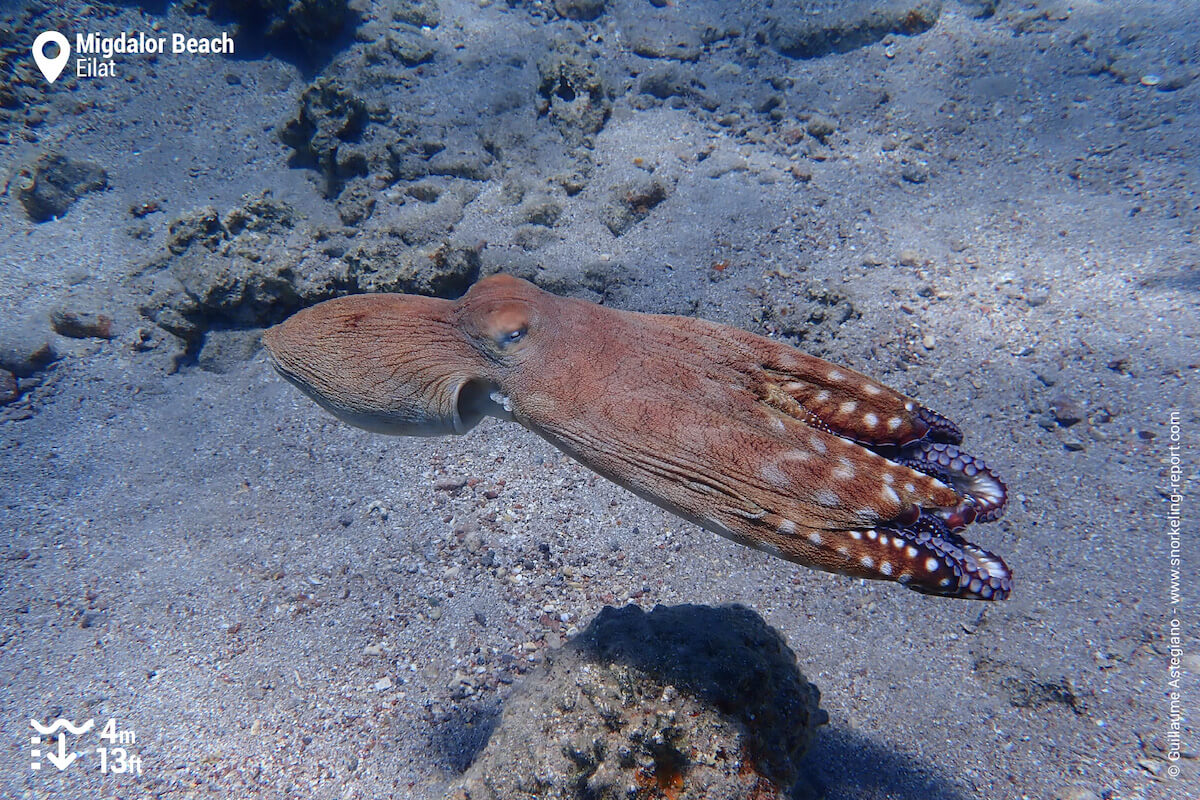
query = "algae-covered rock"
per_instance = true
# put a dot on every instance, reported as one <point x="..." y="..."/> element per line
<point x="222" y="275"/>
<point x="684" y="702"/>
<point x="423" y="13"/>
<point x="52" y="183"/>
<point x="323" y="130"/>
<point x="632" y="202"/>
<point x="240" y="269"/>
<point x="811" y="28"/>
<point x="387" y="264"/>
<point x="574" y="95"/>
<point x="356" y="203"/>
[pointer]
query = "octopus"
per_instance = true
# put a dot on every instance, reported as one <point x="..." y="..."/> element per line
<point x="743" y="435"/>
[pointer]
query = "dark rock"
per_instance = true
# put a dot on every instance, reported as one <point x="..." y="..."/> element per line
<point x="8" y="387"/>
<point x="91" y="619"/>
<point x="666" y="81"/>
<point x="309" y="24"/>
<point x="81" y="324"/>
<point x="684" y="702"/>
<point x="323" y="130"/>
<point x="260" y="213"/>
<point x="632" y="203"/>
<point x="571" y="182"/>
<point x="1066" y="411"/>
<point x="980" y="8"/>
<point x="583" y="10"/>
<point x="410" y="49"/>
<point x="237" y="289"/>
<point x="52" y="183"/>
<point x="811" y="28"/>
<point x="25" y="347"/>
<point x="915" y="172"/>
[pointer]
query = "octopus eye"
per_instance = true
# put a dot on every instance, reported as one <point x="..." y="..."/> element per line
<point x="509" y="338"/>
<point x="506" y="328"/>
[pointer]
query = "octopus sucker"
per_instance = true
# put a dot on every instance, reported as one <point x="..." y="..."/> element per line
<point x="755" y="440"/>
<point x="970" y="476"/>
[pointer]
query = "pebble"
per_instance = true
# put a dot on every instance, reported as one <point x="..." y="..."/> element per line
<point x="449" y="484"/>
<point x="929" y="342"/>
<point x="382" y="685"/>
<point x="473" y="542"/>
<point x="915" y="173"/>
<point x="25" y="348"/>
<point x="910" y="258"/>
<point x="373" y="650"/>
<point x="1065" y="410"/>
<point x="81" y="324"/>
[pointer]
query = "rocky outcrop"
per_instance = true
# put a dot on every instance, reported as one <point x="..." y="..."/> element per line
<point x="683" y="702"/>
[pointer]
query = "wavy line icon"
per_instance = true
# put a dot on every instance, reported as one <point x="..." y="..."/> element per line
<point x="62" y="723"/>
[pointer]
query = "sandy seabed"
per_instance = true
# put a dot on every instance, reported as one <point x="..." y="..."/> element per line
<point x="995" y="212"/>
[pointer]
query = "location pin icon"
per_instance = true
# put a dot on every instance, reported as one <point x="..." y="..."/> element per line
<point x="51" y="67"/>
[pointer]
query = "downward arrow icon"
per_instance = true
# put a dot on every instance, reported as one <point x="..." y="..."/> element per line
<point x="62" y="759"/>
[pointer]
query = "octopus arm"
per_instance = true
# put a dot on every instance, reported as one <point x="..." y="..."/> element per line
<point x="818" y="392"/>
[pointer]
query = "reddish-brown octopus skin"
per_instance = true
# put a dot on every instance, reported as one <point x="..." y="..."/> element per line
<point x="745" y="436"/>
